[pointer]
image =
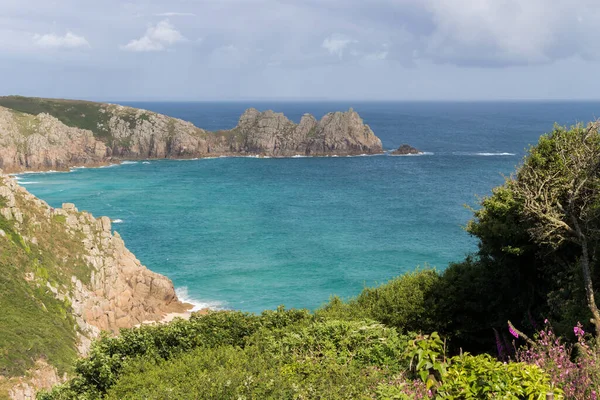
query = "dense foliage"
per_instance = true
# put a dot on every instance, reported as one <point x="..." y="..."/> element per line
<point x="288" y="355"/>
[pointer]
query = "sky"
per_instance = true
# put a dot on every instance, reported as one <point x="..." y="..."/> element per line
<point x="300" y="49"/>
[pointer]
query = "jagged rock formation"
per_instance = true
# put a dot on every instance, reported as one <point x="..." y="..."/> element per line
<point x="70" y="269"/>
<point x="43" y="134"/>
<point x="405" y="150"/>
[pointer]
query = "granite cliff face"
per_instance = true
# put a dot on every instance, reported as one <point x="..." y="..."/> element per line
<point x="44" y="134"/>
<point x="42" y="142"/>
<point x="70" y="269"/>
<point x="272" y="134"/>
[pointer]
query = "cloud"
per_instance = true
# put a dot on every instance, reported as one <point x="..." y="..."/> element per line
<point x="175" y="14"/>
<point x="377" y="56"/>
<point x="53" y="41"/>
<point x="157" y="38"/>
<point x="337" y="43"/>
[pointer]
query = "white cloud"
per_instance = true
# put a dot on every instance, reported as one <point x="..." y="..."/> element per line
<point x="157" y="38"/>
<point x="336" y="44"/>
<point x="53" y="41"/>
<point x="175" y="14"/>
<point x="377" y="56"/>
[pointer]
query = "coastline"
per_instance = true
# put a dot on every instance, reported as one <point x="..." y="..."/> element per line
<point x="125" y="161"/>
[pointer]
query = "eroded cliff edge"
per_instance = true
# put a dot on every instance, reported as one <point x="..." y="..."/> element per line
<point x="64" y="277"/>
<point x="46" y="134"/>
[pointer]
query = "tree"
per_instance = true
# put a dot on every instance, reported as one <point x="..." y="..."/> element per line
<point x="558" y="188"/>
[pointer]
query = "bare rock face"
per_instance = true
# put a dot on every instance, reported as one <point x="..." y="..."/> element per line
<point x="272" y="134"/>
<point x="141" y="134"/>
<point x="42" y="376"/>
<point x="42" y="142"/>
<point x="122" y="292"/>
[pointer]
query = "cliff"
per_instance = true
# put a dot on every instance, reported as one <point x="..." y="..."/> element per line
<point x="45" y="134"/>
<point x="64" y="277"/>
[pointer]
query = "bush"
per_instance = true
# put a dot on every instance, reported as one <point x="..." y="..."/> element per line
<point x="467" y="376"/>
<point x="108" y="356"/>
<point x="406" y="303"/>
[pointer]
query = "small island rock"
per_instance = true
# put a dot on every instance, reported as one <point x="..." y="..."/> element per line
<point x="406" y="150"/>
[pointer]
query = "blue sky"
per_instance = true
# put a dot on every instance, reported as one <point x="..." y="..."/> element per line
<point x="300" y="49"/>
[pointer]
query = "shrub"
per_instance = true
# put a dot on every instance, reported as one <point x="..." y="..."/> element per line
<point x="574" y="368"/>
<point x="232" y="373"/>
<point x="406" y="303"/>
<point x="467" y="376"/>
<point x="108" y="356"/>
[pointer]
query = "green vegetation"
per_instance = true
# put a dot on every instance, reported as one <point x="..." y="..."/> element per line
<point x="404" y="303"/>
<point x="28" y="124"/>
<point x="288" y="355"/>
<point x="74" y="113"/>
<point x="34" y="324"/>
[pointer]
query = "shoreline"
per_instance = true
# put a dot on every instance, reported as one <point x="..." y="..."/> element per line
<point x="126" y="161"/>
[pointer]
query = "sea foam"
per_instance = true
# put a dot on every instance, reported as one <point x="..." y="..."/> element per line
<point x="481" y="154"/>
<point x="183" y="295"/>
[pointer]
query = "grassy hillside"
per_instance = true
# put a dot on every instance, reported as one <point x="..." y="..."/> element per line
<point x="73" y="113"/>
<point x="35" y="324"/>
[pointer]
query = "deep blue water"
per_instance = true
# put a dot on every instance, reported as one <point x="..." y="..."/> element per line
<point x="251" y="234"/>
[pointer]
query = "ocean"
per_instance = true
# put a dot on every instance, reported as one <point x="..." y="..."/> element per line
<point x="251" y="234"/>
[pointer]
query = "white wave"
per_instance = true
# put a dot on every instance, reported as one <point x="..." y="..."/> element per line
<point x="146" y="162"/>
<point x="183" y="295"/>
<point x="51" y="171"/>
<point x="128" y="162"/>
<point x="299" y="156"/>
<point x="117" y="221"/>
<point x="109" y="166"/>
<point x="481" y="154"/>
<point x="27" y="182"/>
<point x="422" y="153"/>
<point x="80" y="167"/>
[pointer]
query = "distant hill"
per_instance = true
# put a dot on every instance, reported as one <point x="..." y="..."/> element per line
<point x="45" y="134"/>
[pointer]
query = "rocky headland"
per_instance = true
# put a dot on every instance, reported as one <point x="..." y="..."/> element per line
<point x="48" y="134"/>
<point x="69" y="277"/>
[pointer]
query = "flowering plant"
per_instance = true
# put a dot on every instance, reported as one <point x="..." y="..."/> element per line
<point x="574" y="368"/>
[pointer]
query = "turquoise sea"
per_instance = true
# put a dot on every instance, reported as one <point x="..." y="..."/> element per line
<point x="250" y="234"/>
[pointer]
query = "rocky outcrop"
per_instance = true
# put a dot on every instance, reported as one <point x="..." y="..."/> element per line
<point x="121" y="292"/>
<point x="54" y="138"/>
<point x="272" y="134"/>
<point x="42" y="142"/>
<point x="406" y="150"/>
<point x="42" y="376"/>
<point x="101" y="284"/>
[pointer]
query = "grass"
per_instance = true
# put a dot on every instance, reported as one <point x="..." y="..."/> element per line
<point x="74" y="113"/>
<point x="27" y="123"/>
<point x="34" y="324"/>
